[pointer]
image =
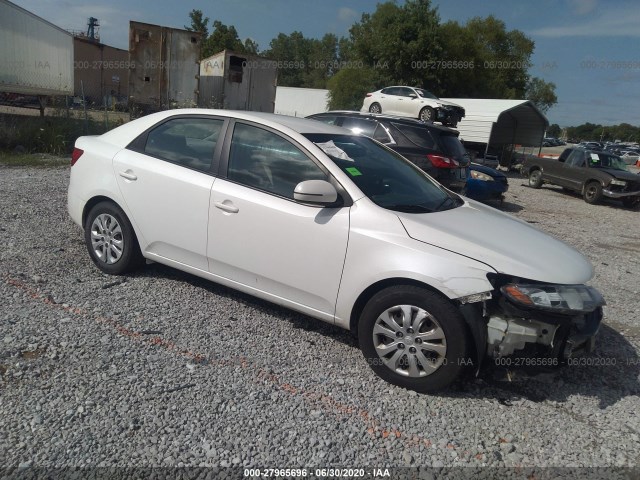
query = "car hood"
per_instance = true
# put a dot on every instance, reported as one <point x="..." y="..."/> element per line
<point x="620" y="174"/>
<point x="506" y="244"/>
<point x="445" y="102"/>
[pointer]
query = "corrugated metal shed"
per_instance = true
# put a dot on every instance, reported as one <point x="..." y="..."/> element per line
<point x="36" y="57"/>
<point x="501" y="122"/>
<point x="300" y="102"/>
<point x="235" y="81"/>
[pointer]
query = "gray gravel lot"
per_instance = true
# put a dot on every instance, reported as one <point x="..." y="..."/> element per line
<point x="161" y="368"/>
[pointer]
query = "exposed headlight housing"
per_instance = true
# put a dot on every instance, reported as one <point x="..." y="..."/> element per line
<point x="481" y="176"/>
<point x="622" y="183"/>
<point x="554" y="298"/>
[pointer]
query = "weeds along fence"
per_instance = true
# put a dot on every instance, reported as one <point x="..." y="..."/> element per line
<point x="29" y="126"/>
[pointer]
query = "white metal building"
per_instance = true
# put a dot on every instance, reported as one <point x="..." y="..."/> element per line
<point x="496" y="122"/>
<point x="300" y="102"/>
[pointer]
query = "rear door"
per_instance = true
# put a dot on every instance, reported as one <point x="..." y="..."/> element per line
<point x="260" y="237"/>
<point x="165" y="177"/>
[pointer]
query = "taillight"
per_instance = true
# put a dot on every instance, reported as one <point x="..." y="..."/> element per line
<point x="75" y="156"/>
<point x="440" y="161"/>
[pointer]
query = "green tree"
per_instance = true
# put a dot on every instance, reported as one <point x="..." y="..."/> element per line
<point x="394" y="37"/>
<point x="541" y="93"/>
<point x="348" y="87"/>
<point x="199" y="23"/>
<point x="492" y="61"/>
<point x="222" y="37"/>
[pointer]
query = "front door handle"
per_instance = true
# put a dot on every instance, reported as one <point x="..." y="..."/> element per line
<point x="227" y="207"/>
<point x="128" y="175"/>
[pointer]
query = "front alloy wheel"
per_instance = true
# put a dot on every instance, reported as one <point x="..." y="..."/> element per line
<point x="413" y="338"/>
<point x="409" y="341"/>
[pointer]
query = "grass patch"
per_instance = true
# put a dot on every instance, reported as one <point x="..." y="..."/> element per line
<point x="8" y="159"/>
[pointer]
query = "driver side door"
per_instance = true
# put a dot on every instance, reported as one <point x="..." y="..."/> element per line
<point x="260" y="237"/>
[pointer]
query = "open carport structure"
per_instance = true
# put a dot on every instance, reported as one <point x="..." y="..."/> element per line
<point x="491" y="125"/>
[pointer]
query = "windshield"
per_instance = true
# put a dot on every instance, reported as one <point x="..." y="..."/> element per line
<point x="603" y="160"/>
<point x="424" y="93"/>
<point x="388" y="179"/>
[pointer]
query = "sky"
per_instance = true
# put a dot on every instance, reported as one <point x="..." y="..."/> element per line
<point x="588" y="48"/>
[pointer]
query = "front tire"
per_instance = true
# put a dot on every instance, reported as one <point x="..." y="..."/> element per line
<point x="413" y="338"/>
<point x="427" y="114"/>
<point x="535" y="179"/>
<point x="375" y="108"/>
<point x="592" y="193"/>
<point x="111" y="240"/>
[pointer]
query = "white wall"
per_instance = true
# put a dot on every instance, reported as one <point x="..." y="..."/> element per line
<point x="300" y="102"/>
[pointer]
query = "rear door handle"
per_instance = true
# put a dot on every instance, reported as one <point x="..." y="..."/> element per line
<point x="227" y="207"/>
<point x="128" y="175"/>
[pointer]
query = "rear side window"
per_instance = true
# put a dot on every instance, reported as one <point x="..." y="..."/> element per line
<point x="417" y="136"/>
<point x="264" y="160"/>
<point x="189" y="142"/>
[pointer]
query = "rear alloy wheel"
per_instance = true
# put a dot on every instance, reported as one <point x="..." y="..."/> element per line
<point x="110" y="240"/>
<point x="592" y="193"/>
<point x="535" y="179"/>
<point x="375" y="108"/>
<point x="413" y="338"/>
<point x="427" y="114"/>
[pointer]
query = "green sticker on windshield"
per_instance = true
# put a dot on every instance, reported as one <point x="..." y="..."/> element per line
<point x="353" y="171"/>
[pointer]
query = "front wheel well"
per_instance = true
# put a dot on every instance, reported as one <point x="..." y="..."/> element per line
<point x="370" y="291"/>
<point x="591" y="180"/>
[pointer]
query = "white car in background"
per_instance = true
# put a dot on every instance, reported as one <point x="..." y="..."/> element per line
<point x="414" y="103"/>
<point x="337" y="226"/>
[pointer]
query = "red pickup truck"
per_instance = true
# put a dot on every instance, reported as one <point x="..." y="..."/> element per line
<point x="591" y="173"/>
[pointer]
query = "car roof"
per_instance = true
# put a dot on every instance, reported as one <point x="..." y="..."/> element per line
<point x="126" y="133"/>
<point x="382" y="116"/>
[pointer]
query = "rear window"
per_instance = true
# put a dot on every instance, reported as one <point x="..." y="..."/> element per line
<point x="452" y="146"/>
<point x="420" y="137"/>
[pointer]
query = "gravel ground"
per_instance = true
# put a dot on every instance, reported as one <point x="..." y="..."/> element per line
<point x="161" y="368"/>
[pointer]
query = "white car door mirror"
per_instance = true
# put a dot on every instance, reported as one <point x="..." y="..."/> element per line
<point x="319" y="192"/>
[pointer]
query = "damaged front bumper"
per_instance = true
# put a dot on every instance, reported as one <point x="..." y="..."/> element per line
<point x="542" y="321"/>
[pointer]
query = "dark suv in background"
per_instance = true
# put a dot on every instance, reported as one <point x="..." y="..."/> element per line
<point x="435" y="149"/>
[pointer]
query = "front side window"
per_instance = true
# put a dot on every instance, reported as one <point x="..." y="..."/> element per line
<point x="264" y="160"/>
<point x="388" y="179"/>
<point x="576" y="159"/>
<point x="189" y="142"/>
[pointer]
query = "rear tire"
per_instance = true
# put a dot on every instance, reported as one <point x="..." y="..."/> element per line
<point x="375" y="108"/>
<point x="111" y="240"/>
<point x="592" y="193"/>
<point x="535" y="179"/>
<point x="413" y="338"/>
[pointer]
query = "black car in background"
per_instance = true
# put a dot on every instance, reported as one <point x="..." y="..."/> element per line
<point x="435" y="149"/>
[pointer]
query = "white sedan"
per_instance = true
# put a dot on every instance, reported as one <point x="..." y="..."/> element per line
<point x="415" y="103"/>
<point x="335" y="225"/>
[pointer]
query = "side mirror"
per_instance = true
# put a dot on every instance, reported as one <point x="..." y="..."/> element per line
<point x="318" y="192"/>
<point x="413" y="96"/>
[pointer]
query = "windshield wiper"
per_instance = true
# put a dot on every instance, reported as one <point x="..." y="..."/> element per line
<point x="409" y="208"/>
<point x="443" y="202"/>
